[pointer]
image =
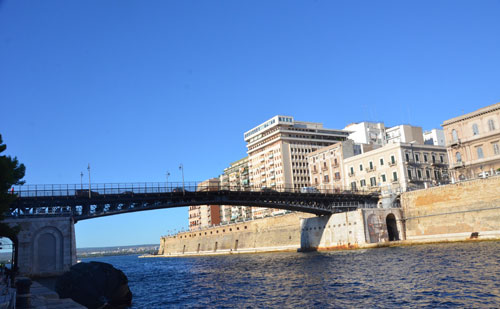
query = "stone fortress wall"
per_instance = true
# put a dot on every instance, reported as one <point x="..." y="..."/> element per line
<point x="453" y="212"/>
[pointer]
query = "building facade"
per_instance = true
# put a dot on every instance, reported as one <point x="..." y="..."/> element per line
<point x="372" y="133"/>
<point x="326" y="166"/>
<point x="235" y="177"/>
<point x="434" y="137"/>
<point x="202" y="216"/>
<point x="473" y="143"/>
<point x="277" y="154"/>
<point x="397" y="167"/>
<point x="404" y="134"/>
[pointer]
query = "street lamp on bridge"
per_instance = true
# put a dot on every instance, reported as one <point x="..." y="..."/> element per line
<point x="88" y="168"/>
<point x="181" y="167"/>
<point x="167" y="174"/>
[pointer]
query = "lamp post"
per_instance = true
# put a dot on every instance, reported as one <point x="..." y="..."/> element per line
<point x="81" y="181"/>
<point x="181" y="167"/>
<point x="166" y="186"/>
<point x="88" y="168"/>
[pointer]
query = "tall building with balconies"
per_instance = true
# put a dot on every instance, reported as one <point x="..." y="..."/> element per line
<point x="202" y="216"/>
<point x="235" y="177"/>
<point x="397" y="167"/>
<point x="326" y="165"/>
<point x="473" y="143"/>
<point x="277" y="154"/>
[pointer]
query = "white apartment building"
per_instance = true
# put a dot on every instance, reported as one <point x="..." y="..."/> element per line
<point x="367" y="133"/>
<point x="434" y="137"/>
<point x="277" y="153"/>
<point x="326" y="166"/>
<point x="397" y="167"/>
<point x="404" y="134"/>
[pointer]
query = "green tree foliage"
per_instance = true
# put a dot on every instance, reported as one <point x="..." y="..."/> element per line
<point x="11" y="173"/>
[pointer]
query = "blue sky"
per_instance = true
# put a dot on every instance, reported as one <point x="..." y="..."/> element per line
<point x="136" y="87"/>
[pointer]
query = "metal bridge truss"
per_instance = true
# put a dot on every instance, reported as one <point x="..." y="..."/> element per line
<point x="84" y="204"/>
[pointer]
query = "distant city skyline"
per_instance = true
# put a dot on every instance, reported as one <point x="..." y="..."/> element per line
<point x="136" y="89"/>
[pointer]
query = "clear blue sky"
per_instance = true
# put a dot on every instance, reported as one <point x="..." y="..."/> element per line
<point x="136" y="87"/>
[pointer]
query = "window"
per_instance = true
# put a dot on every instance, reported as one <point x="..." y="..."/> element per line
<point x="428" y="174"/>
<point x="361" y="167"/>
<point x="433" y="159"/>
<point x="362" y="183"/>
<point x="337" y="175"/>
<point x="425" y="157"/>
<point x="480" y="153"/>
<point x="352" y="170"/>
<point x="383" y="177"/>
<point x="441" y="158"/>
<point x="394" y="176"/>
<point x="407" y="156"/>
<point x="326" y="178"/>
<point x="381" y="161"/>
<point x="475" y="129"/>
<point x="373" y="181"/>
<point x="393" y="160"/>
<point x="409" y="174"/>
<point x="458" y="156"/>
<point x="491" y="125"/>
<point x="496" y="149"/>
<point x="454" y="135"/>
<point x="437" y="175"/>
<point x="371" y="165"/>
<point x="417" y="157"/>
<point x="353" y="185"/>
<point x="419" y="174"/>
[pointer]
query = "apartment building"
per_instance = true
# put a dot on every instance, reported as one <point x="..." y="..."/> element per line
<point x="473" y="143"/>
<point x="404" y="134"/>
<point x="397" y="167"/>
<point x="235" y="177"/>
<point x="202" y="216"/>
<point x="326" y="165"/>
<point x="277" y="153"/>
<point x="365" y="132"/>
<point x="434" y="137"/>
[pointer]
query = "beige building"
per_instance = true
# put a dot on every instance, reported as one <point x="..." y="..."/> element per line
<point x="473" y="143"/>
<point x="235" y="177"/>
<point x="326" y="165"/>
<point x="202" y="216"/>
<point x="397" y="167"/>
<point x="277" y="154"/>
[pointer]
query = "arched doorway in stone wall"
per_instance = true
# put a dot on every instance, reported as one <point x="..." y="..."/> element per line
<point x="48" y="251"/>
<point x="392" y="227"/>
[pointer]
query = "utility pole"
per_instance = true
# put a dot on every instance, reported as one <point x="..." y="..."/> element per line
<point x="88" y="168"/>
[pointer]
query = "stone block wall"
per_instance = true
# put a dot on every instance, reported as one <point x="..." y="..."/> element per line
<point x="280" y="233"/>
<point x="454" y="211"/>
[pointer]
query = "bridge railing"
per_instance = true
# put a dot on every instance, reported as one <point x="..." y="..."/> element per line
<point x="84" y="190"/>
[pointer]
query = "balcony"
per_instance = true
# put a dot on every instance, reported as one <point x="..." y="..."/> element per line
<point x="455" y="143"/>
<point x="371" y="169"/>
<point x="262" y="160"/>
<point x="351" y="174"/>
<point x="393" y="163"/>
<point x="314" y="171"/>
<point x="324" y="168"/>
<point x="457" y="165"/>
<point x="263" y="180"/>
<point x="270" y="156"/>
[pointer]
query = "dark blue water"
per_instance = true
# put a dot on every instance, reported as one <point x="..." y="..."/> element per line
<point x="444" y="275"/>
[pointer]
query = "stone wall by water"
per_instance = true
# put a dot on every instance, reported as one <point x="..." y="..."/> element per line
<point x="280" y="233"/>
<point x="453" y="212"/>
<point x="361" y="228"/>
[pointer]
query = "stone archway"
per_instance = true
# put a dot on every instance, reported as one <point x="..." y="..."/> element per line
<point x="392" y="227"/>
<point x="48" y="250"/>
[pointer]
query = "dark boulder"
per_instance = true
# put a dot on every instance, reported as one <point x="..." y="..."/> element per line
<point x="95" y="285"/>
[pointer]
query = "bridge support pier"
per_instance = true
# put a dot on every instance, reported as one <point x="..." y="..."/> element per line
<point x="47" y="246"/>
